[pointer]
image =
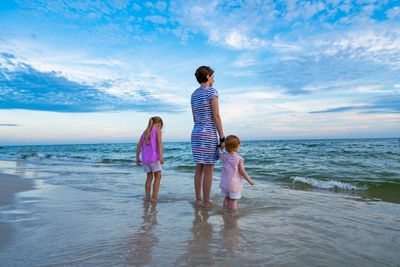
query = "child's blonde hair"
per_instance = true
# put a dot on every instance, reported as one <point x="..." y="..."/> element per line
<point x="232" y="143"/>
<point x="152" y="121"/>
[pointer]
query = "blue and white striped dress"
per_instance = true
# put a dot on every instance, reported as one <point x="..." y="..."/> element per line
<point x="204" y="135"/>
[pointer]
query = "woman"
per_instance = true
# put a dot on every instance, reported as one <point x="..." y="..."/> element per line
<point x="207" y="122"/>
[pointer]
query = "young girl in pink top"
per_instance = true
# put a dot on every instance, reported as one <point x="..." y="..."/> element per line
<point x="232" y="173"/>
<point x="152" y="155"/>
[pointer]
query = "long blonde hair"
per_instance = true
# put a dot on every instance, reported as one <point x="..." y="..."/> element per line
<point x="152" y="121"/>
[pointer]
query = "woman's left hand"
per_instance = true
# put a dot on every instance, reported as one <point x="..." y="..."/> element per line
<point x="222" y="145"/>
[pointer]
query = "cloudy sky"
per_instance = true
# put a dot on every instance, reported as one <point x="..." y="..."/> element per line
<point x="93" y="71"/>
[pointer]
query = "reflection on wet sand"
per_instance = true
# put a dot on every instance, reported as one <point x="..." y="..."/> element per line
<point x="141" y="243"/>
<point x="210" y="247"/>
<point x="230" y="234"/>
<point x="200" y="247"/>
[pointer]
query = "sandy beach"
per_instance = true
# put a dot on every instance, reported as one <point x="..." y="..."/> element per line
<point x="87" y="208"/>
<point x="9" y="186"/>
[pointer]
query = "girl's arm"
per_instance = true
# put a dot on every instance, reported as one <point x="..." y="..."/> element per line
<point x="217" y="119"/>
<point x="160" y="146"/>
<point x="244" y="174"/>
<point x="138" y="148"/>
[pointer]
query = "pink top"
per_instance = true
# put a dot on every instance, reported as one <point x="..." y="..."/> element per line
<point x="150" y="152"/>
<point x="231" y="179"/>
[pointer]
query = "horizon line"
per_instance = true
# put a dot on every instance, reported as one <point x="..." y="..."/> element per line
<point x="188" y="141"/>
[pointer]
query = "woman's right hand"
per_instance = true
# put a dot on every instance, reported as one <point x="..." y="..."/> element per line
<point x="138" y="163"/>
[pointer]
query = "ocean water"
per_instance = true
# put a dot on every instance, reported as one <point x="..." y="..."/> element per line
<point x="315" y="202"/>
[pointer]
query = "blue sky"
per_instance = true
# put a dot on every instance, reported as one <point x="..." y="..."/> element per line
<point x="95" y="71"/>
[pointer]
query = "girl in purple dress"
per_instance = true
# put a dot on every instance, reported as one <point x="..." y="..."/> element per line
<point x="150" y="144"/>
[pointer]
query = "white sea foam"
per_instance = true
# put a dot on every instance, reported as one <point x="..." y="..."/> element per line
<point x="323" y="184"/>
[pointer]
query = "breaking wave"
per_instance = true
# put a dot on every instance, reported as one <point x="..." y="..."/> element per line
<point x="329" y="184"/>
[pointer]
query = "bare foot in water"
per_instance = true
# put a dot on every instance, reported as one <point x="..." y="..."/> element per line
<point x="206" y="204"/>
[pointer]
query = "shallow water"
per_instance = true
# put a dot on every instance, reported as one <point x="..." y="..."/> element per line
<point x="314" y="203"/>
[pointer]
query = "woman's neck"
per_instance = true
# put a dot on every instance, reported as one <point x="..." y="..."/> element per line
<point x="206" y="84"/>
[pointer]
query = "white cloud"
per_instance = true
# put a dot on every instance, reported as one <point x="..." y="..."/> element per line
<point x="157" y="19"/>
<point x="282" y="47"/>
<point x="161" y="5"/>
<point x="115" y="76"/>
<point x="371" y="44"/>
<point x="236" y="40"/>
<point x="239" y="40"/>
<point x="244" y="60"/>
<point x="120" y="4"/>
<point x="371" y="89"/>
<point x="136" y="7"/>
<point x="393" y="13"/>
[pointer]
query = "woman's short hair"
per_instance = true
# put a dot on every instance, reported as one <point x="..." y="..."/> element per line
<point x="202" y="73"/>
<point x="232" y="143"/>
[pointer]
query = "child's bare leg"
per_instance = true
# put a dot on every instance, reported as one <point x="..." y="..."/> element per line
<point x="148" y="184"/>
<point x="233" y="204"/>
<point x="226" y="203"/>
<point x="207" y="182"/>
<point x="156" y="184"/>
<point x="197" y="180"/>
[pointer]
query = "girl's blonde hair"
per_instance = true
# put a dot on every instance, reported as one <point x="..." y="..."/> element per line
<point x="152" y="121"/>
<point x="232" y="143"/>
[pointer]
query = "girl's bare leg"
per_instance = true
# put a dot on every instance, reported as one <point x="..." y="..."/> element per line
<point x="156" y="185"/>
<point x="226" y="203"/>
<point x="207" y="182"/>
<point x="148" y="184"/>
<point x="233" y="204"/>
<point x="198" y="177"/>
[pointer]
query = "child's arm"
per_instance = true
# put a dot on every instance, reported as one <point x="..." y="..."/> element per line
<point x="160" y="146"/>
<point x="244" y="174"/>
<point x="138" y="148"/>
<point x="220" y="153"/>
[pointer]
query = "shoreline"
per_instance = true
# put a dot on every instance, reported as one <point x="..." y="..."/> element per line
<point x="188" y="141"/>
<point x="9" y="186"/>
<point x="81" y="213"/>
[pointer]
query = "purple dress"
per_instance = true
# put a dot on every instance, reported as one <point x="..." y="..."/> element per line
<point x="150" y="152"/>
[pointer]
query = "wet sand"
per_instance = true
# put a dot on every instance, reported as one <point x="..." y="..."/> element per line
<point x="90" y="214"/>
<point x="9" y="185"/>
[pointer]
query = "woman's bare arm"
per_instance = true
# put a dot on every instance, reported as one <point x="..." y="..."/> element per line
<point x="217" y="118"/>
<point x="194" y="119"/>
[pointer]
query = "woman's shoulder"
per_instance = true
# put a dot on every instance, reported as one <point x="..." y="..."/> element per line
<point x="212" y="89"/>
<point x="212" y="92"/>
<point x="204" y="89"/>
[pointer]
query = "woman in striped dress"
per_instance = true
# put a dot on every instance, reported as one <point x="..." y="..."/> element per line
<point x="207" y="124"/>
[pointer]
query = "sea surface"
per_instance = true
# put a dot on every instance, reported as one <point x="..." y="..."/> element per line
<point x="315" y="202"/>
